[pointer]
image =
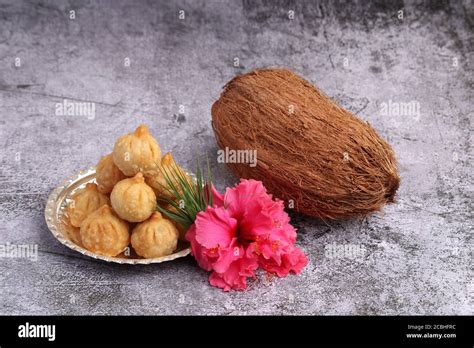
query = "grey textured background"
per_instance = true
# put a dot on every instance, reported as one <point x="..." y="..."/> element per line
<point x="418" y="258"/>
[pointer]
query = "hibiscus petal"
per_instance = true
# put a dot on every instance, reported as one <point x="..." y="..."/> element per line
<point x="228" y="255"/>
<point x="237" y="199"/>
<point x="215" y="279"/>
<point x="291" y="261"/>
<point x="236" y="274"/>
<point x="215" y="228"/>
<point x="197" y="250"/>
<point x="254" y="224"/>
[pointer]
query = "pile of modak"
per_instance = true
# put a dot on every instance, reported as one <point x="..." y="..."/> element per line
<point x="121" y="208"/>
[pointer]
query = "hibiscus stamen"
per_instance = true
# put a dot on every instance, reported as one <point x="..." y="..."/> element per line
<point x="214" y="250"/>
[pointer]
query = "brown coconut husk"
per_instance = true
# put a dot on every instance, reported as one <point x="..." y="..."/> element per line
<point x="301" y="154"/>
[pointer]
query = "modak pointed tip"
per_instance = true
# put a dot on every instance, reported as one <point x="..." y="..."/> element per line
<point x="142" y="130"/>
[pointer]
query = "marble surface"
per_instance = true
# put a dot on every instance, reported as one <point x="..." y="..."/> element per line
<point x="414" y="258"/>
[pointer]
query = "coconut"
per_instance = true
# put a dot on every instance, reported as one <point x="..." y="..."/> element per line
<point x="319" y="158"/>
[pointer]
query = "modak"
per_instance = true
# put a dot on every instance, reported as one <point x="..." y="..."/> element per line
<point x="107" y="174"/>
<point x="84" y="202"/>
<point x="137" y="152"/>
<point x="155" y="237"/>
<point x="173" y="172"/>
<point x="132" y="199"/>
<point x="181" y="229"/>
<point x="104" y="233"/>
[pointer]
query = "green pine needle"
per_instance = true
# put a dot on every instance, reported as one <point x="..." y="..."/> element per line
<point x="190" y="196"/>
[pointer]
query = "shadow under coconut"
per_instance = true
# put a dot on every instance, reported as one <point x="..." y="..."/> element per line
<point x="316" y="228"/>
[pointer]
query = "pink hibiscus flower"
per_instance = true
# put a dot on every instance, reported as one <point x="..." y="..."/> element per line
<point x="245" y="229"/>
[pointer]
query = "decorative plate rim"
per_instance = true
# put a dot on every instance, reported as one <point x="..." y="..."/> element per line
<point x="51" y="217"/>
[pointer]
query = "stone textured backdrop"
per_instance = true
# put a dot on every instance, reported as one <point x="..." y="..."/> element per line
<point x="417" y="256"/>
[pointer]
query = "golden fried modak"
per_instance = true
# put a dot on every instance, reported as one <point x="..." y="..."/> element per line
<point x="137" y="152"/>
<point x="84" y="202"/>
<point x="104" y="233"/>
<point x="107" y="174"/>
<point x="181" y="229"/>
<point x="155" y="237"/>
<point x="132" y="199"/>
<point x="157" y="180"/>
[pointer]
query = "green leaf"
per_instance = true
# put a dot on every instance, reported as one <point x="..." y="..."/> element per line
<point x="195" y="194"/>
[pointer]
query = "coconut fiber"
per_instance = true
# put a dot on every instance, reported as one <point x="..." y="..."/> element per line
<point x="319" y="158"/>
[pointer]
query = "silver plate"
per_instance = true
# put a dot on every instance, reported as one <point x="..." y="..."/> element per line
<point x="58" y="223"/>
